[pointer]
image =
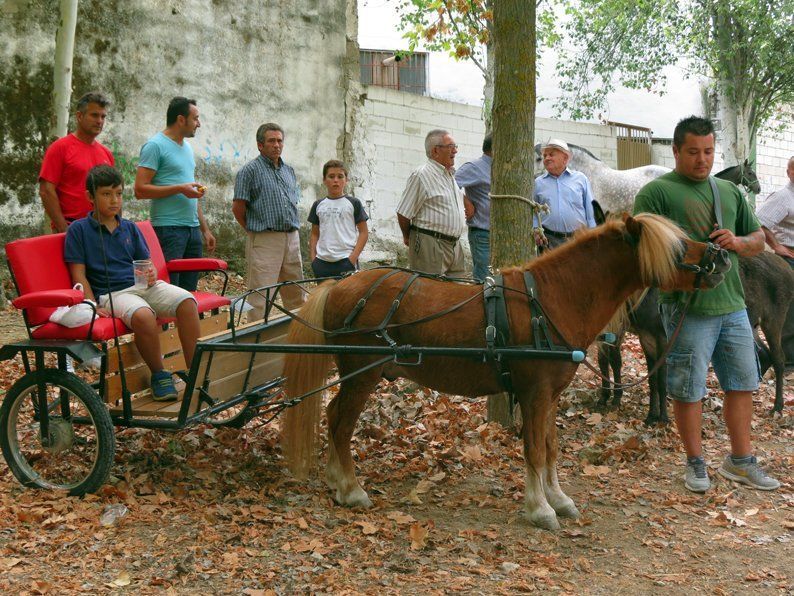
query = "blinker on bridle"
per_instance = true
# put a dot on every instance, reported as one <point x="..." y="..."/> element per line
<point x="707" y="265"/>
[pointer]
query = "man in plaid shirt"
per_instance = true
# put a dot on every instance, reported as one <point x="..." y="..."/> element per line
<point x="266" y="197"/>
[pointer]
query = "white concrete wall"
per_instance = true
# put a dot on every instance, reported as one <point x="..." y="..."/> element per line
<point x="395" y="124"/>
<point x="774" y="147"/>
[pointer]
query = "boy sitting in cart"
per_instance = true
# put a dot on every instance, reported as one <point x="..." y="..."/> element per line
<point x="100" y="250"/>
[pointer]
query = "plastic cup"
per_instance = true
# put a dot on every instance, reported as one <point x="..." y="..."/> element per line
<point x="142" y="268"/>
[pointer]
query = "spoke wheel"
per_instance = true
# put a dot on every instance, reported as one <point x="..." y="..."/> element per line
<point x="77" y="453"/>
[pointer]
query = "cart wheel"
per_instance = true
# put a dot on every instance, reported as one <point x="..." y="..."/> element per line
<point x="236" y="417"/>
<point x="77" y="453"/>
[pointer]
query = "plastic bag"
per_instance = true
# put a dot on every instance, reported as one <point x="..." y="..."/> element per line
<point x="112" y="514"/>
<point x="74" y="316"/>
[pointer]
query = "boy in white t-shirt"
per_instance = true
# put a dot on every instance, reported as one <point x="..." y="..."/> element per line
<point x="339" y="226"/>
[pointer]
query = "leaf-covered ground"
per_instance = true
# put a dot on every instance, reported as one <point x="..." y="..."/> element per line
<point x="213" y="511"/>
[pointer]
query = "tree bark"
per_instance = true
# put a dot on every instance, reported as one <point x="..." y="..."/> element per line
<point x="62" y="73"/>
<point x="513" y="141"/>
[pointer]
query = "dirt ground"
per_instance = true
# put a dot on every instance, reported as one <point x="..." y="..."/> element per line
<point x="213" y="510"/>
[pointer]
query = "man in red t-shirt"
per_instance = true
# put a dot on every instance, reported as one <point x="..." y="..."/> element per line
<point x="67" y="161"/>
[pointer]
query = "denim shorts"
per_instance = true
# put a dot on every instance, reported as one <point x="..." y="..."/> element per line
<point x="724" y="340"/>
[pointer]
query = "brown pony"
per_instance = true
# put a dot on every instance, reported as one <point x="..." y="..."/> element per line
<point x="580" y="285"/>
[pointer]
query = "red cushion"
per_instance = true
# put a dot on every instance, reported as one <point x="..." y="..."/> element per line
<point x="38" y="265"/>
<point x="49" y="298"/>
<point x="206" y="301"/>
<point x="103" y="330"/>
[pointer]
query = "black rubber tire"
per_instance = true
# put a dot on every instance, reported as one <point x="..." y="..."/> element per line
<point x="102" y="443"/>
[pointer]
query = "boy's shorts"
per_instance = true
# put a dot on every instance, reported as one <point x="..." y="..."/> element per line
<point x="725" y="340"/>
<point x="163" y="299"/>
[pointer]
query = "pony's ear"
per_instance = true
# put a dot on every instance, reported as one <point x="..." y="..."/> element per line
<point x="633" y="227"/>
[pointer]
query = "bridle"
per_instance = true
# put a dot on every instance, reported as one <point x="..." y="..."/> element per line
<point x="707" y="264"/>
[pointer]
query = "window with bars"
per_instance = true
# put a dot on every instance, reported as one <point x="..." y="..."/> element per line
<point x="408" y="74"/>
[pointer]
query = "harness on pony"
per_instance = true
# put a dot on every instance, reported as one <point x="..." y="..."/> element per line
<point x="497" y="324"/>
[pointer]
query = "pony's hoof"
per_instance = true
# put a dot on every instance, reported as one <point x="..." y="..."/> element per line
<point x="543" y="520"/>
<point x="356" y="498"/>
<point x="568" y="510"/>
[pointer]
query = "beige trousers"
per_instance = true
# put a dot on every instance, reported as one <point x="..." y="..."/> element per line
<point x="432" y="255"/>
<point x="273" y="257"/>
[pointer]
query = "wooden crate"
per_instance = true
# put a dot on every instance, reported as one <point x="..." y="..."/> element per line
<point x="222" y="374"/>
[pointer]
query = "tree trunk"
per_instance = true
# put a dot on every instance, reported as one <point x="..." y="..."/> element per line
<point x="736" y="141"/>
<point x="62" y="73"/>
<point x="487" y="104"/>
<point x="513" y="141"/>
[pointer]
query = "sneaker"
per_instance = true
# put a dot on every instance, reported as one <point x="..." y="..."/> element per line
<point x="696" y="478"/>
<point x="749" y="473"/>
<point x="163" y="388"/>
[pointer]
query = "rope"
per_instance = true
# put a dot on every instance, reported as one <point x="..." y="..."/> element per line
<point x="534" y="204"/>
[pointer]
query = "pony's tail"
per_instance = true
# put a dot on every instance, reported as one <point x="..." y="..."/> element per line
<point x="300" y="424"/>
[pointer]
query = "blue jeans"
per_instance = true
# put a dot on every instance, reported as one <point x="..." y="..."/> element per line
<point x="480" y="243"/>
<point x="724" y="340"/>
<point x="181" y="242"/>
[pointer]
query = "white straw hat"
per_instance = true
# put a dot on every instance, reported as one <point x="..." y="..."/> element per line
<point x="557" y="144"/>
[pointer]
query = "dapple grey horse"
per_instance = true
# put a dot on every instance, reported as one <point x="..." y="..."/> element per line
<point x="615" y="189"/>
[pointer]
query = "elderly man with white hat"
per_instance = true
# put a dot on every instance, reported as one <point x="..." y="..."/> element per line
<point x="566" y="192"/>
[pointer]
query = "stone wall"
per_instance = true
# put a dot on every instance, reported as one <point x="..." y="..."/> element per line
<point x="244" y="62"/>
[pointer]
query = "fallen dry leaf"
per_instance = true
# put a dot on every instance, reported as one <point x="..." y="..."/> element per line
<point x="367" y="528"/>
<point x="418" y="534"/>
<point x="122" y="580"/>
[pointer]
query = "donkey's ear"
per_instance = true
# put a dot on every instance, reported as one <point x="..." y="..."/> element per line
<point x="633" y="227"/>
<point x="598" y="213"/>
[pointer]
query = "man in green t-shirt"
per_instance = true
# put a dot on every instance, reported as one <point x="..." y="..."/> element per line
<point x="716" y="328"/>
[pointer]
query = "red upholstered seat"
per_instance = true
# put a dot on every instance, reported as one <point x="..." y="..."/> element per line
<point x="102" y="331"/>
<point x="37" y="265"/>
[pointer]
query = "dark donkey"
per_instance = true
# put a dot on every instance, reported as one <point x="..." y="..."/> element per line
<point x="769" y="289"/>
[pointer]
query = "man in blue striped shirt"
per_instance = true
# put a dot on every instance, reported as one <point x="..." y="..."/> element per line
<point x="266" y="197"/>
<point x="566" y="192"/>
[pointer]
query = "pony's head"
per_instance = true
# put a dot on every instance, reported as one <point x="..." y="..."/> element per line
<point x="669" y="260"/>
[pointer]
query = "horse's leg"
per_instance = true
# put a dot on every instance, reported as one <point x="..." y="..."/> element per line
<point x="603" y="367"/>
<point x="562" y="504"/>
<point x="773" y="339"/>
<point x="647" y="344"/>
<point x="535" y="408"/>
<point x="343" y="412"/>
<point x="616" y="360"/>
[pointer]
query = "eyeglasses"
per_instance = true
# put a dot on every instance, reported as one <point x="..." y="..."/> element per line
<point x="450" y="146"/>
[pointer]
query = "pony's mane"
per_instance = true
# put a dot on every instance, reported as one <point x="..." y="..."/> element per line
<point x="658" y="250"/>
<point x="583" y="150"/>
<point x="661" y="244"/>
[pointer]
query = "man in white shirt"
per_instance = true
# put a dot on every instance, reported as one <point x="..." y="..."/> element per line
<point x="430" y="213"/>
<point x="777" y="218"/>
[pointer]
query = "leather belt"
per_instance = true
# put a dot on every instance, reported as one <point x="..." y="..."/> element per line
<point x="282" y="231"/>
<point x="436" y="235"/>
<point x="554" y="234"/>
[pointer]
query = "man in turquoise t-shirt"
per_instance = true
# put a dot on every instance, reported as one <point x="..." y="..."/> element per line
<point x="715" y="328"/>
<point x="166" y="176"/>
